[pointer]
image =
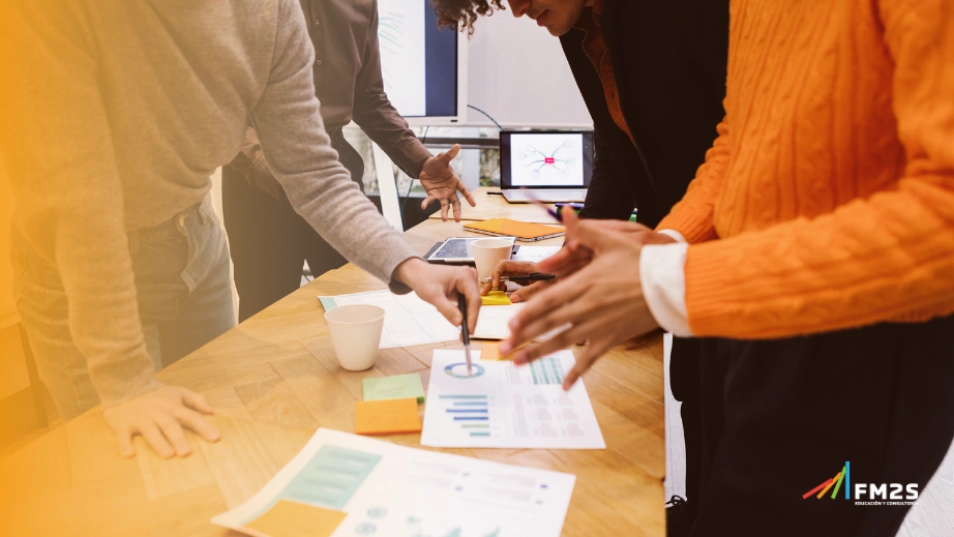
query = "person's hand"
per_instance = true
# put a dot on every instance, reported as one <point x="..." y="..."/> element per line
<point x="603" y="302"/>
<point x="513" y="268"/>
<point x="569" y="260"/>
<point x="442" y="184"/>
<point x="439" y="285"/>
<point x="159" y="417"/>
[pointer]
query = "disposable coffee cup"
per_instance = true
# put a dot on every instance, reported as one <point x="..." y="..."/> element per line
<point x="489" y="252"/>
<point x="355" y="334"/>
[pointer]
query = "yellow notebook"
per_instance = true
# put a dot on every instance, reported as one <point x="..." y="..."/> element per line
<point x="524" y="231"/>
<point x="387" y="416"/>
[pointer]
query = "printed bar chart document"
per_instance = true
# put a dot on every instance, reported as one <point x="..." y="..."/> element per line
<point x="502" y="405"/>
<point x="408" y="320"/>
<point x="342" y="484"/>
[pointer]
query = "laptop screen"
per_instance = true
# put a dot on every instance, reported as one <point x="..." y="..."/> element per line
<point x="546" y="159"/>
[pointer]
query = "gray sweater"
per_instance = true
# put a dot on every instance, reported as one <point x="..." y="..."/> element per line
<point x="124" y="108"/>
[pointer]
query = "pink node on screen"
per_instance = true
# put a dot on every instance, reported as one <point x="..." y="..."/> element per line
<point x="549" y="160"/>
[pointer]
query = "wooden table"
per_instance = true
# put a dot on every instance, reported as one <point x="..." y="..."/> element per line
<point x="492" y="205"/>
<point x="272" y="381"/>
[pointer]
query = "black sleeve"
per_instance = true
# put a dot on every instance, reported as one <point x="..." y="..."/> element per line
<point x="610" y="195"/>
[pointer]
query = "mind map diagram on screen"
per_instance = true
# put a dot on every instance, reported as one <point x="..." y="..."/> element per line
<point x="547" y="159"/>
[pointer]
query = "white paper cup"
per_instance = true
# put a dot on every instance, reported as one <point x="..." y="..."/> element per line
<point x="489" y="252"/>
<point x="355" y="334"/>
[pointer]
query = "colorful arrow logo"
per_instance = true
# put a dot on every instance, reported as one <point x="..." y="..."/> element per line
<point x="843" y="476"/>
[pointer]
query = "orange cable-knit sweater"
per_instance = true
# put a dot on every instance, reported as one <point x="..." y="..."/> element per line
<point x="827" y="201"/>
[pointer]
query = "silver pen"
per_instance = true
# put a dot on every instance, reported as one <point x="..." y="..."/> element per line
<point x="462" y="304"/>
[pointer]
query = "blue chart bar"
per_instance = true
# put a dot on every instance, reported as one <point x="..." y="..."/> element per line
<point x="455" y="410"/>
<point x="469" y="403"/>
<point x="470" y="418"/>
<point x="475" y="433"/>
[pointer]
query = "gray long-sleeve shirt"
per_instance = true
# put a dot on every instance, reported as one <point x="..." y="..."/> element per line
<point x="122" y="109"/>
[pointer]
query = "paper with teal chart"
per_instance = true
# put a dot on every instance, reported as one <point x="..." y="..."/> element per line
<point x="506" y="406"/>
<point x="379" y="488"/>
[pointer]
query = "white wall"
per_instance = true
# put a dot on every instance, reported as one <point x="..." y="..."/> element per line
<point x="518" y="74"/>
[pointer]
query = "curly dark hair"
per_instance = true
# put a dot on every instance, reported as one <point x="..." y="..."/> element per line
<point x="463" y="13"/>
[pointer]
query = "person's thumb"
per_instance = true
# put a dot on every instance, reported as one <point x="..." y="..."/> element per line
<point x="450" y="155"/>
<point x="447" y="307"/>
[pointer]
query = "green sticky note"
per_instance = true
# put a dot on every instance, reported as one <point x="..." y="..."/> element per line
<point x="396" y="387"/>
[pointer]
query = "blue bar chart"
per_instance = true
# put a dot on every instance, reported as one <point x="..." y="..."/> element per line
<point x="472" y="411"/>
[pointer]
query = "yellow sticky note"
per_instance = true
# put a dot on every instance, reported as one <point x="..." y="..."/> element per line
<point x="495" y="298"/>
<point x="292" y="519"/>
<point x="387" y="416"/>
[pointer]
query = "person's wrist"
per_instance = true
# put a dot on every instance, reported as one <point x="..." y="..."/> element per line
<point x="410" y="270"/>
<point x="672" y="234"/>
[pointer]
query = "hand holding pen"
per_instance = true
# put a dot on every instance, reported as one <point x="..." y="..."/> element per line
<point x="465" y="332"/>
<point x="572" y="260"/>
<point x="518" y="272"/>
<point x="524" y="279"/>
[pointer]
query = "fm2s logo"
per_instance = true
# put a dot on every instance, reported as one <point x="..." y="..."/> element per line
<point x="863" y="491"/>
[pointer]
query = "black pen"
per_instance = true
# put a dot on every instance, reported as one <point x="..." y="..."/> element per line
<point x="523" y="278"/>
<point x="462" y="304"/>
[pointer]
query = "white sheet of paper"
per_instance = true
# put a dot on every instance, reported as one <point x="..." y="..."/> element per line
<point x="535" y="254"/>
<point x="505" y="406"/>
<point x="408" y="320"/>
<point x="492" y="321"/>
<point x="387" y="489"/>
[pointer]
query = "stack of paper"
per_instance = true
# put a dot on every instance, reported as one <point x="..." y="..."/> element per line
<point x="341" y="485"/>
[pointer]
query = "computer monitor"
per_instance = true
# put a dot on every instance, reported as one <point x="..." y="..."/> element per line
<point x="424" y="67"/>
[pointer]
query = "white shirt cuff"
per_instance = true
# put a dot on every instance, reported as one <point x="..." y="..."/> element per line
<point x="662" y="270"/>
<point x="674" y="234"/>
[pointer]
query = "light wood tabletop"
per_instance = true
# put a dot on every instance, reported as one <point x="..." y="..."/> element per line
<point x="273" y="380"/>
<point x="490" y="204"/>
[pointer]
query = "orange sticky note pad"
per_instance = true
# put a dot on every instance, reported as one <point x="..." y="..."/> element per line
<point x="387" y="416"/>
<point x="490" y="351"/>
<point x="292" y="519"/>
